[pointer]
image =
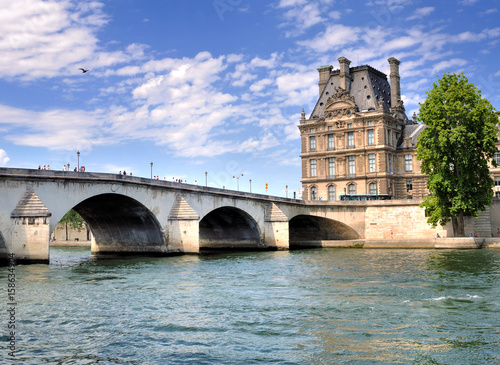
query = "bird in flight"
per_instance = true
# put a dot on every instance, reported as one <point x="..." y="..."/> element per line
<point x="83" y="70"/>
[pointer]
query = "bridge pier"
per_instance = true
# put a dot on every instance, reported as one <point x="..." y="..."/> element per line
<point x="183" y="228"/>
<point x="30" y="231"/>
<point x="276" y="231"/>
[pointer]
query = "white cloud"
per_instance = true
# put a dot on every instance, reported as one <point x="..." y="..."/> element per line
<point x="3" y="157"/>
<point x="303" y="14"/>
<point x="448" y="65"/>
<point x="421" y="12"/>
<point x="468" y="2"/>
<point x="333" y="38"/>
<point x="54" y="129"/>
<point x="43" y="39"/>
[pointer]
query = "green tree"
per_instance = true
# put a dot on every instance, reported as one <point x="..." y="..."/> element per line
<point x="456" y="149"/>
<point x="73" y="220"/>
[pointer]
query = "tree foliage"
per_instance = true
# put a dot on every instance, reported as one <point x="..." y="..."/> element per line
<point x="73" y="220"/>
<point x="456" y="149"/>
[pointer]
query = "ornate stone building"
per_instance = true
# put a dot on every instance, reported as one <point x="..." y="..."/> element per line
<point x="358" y="139"/>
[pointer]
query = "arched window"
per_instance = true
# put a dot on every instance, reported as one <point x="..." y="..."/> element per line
<point x="352" y="189"/>
<point x="331" y="192"/>
<point x="314" y="193"/>
<point x="373" y="188"/>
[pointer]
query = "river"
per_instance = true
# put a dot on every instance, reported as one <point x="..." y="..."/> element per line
<point x="324" y="306"/>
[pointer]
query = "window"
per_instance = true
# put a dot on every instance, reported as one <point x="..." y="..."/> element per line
<point x="497" y="194"/>
<point x="352" y="189"/>
<point x="371" y="162"/>
<point x="314" y="193"/>
<point x="349" y="125"/>
<point x="496" y="158"/>
<point x="312" y="143"/>
<point x="409" y="185"/>
<point x="388" y="137"/>
<point x="331" y="166"/>
<point x="312" y="130"/>
<point x="331" y="192"/>
<point x="370" y="123"/>
<point x="352" y="165"/>
<point x="331" y="143"/>
<point x="313" y="167"/>
<point x="497" y="180"/>
<point x="371" y="136"/>
<point x="372" y="188"/>
<point x="330" y="128"/>
<point x="408" y="163"/>
<point x="350" y="139"/>
<point x="389" y="164"/>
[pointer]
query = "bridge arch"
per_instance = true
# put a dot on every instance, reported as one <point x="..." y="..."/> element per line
<point x="304" y="229"/>
<point x="121" y="224"/>
<point x="229" y="227"/>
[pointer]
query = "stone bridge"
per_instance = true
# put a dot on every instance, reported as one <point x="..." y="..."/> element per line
<point x="134" y="215"/>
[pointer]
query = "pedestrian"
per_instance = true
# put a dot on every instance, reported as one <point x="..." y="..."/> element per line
<point x="124" y="172"/>
<point x="39" y="167"/>
<point x="120" y="172"/>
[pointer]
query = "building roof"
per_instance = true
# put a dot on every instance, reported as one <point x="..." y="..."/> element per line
<point x="368" y="86"/>
<point x="411" y="131"/>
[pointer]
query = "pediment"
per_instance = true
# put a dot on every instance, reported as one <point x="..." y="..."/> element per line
<point x="341" y="101"/>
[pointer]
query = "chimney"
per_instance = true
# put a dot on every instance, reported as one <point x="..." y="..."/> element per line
<point x="395" y="84"/>
<point x="345" y="76"/>
<point x="324" y="76"/>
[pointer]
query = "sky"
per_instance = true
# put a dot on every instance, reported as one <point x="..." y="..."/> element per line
<point x="212" y="86"/>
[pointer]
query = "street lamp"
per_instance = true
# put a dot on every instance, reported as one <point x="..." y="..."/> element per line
<point x="250" y="185"/>
<point x="238" y="181"/>
<point x="206" y="178"/>
<point x="78" y="155"/>
<point x="286" y="191"/>
<point x="151" y="169"/>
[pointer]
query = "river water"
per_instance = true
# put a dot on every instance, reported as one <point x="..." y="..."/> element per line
<point x="325" y="306"/>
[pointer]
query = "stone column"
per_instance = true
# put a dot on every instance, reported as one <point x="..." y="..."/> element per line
<point x="324" y="76"/>
<point x="395" y="81"/>
<point x="276" y="232"/>
<point x="30" y="230"/>
<point x="345" y="75"/>
<point x="183" y="228"/>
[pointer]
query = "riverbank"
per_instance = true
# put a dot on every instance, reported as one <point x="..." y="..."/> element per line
<point x="70" y="243"/>
<point x="437" y="243"/>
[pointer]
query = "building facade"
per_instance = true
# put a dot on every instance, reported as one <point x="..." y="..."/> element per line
<point x="358" y="139"/>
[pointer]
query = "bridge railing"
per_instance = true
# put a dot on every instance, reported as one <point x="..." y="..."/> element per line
<point x="35" y="174"/>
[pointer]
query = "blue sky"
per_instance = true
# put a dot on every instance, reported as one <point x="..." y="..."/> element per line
<point x="212" y="85"/>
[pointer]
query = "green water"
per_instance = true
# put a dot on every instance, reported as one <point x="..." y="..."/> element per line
<point x="329" y="306"/>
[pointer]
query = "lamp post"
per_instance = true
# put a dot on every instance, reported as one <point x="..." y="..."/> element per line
<point x="238" y="181"/>
<point x="286" y="191"/>
<point x="250" y="185"/>
<point x="151" y="169"/>
<point x="206" y="178"/>
<point x="78" y="156"/>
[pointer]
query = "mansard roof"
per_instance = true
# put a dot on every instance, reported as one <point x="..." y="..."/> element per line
<point x="411" y="131"/>
<point x="368" y="86"/>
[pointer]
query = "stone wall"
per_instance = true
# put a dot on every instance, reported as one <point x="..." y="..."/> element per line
<point x="399" y="223"/>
